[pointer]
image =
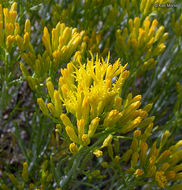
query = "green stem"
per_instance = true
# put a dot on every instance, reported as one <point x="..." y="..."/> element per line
<point x="123" y="137"/>
<point x="79" y="161"/>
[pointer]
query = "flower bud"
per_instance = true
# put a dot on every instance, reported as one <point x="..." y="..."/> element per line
<point x="107" y="141"/>
<point x="59" y="128"/>
<point x="26" y="38"/>
<point x="73" y="148"/>
<point x="85" y="139"/>
<point x="98" y="153"/>
<point x="27" y="27"/>
<point x="159" y="33"/>
<point x="117" y="159"/>
<point x="32" y="82"/>
<point x="126" y="156"/>
<point x="160" y="178"/>
<point x="137" y="23"/>
<point x="17" y="29"/>
<point x="66" y="121"/>
<point x="72" y="135"/>
<point x="117" y="104"/>
<point x="19" y="41"/>
<point x="80" y="125"/>
<point x="54" y="39"/>
<point x="13" y="7"/>
<point x="52" y="110"/>
<point x="170" y="175"/>
<point x="42" y="106"/>
<point x="25" y="172"/>
<point x="57" y="102"/>
<point x="134" y="144"/>
<point x="50" y="89"/>
<point x="46" y="41"/>
<point x="134" y="159"/>
<point x="143" y="153"/>
<point x="24" y="69"/>
<point x="38" y="67"/>
<point x="139" y="172"/>
<point x="163" y="38"/>
<point x="14" y="180"/>
<point x="85" y="109"/>
<point x="148" y="107"/>
<point x="9" y="41"/>
<point x="164" y="138"/>
<point x="137" y="133"/>
<point x="163" y="156"/>
<point x="93" y="126"/>
<point x="165" y="166"/>
<point x="151" y="171"/>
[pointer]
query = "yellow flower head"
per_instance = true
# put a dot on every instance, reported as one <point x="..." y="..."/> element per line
<point x="63" y="42"/>
<point x="25" y="172"/>
<point x="98" y="153"/>
<point x="139" y="172"/>
<point x="107" y="141"/>
<point x="160" y="178"/>
<point x="91" y="88"/>
<point x="11" y="28"/>
<point x="73" y="148"/>
<point x="59" y="47"/>
<point x="137" y="133"/>
<point x="139" y="38"/>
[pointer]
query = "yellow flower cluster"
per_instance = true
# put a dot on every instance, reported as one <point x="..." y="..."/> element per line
<point x="140" y="39"/>
<point x="45" y="178"/>
<point x="8" y="26"/>
<point x="161" y="166"/>
<point x="91" y="93"/>
<point x="58" y="49"/>
<point x="63" y="43"/>
<point x="96" y="93"/>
